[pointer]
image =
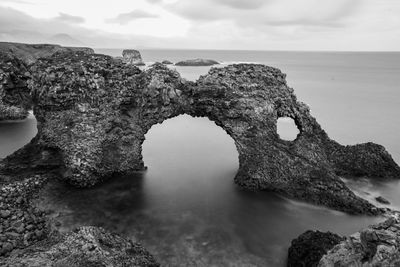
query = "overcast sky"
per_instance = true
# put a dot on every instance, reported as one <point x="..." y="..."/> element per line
<point x="206" y="24"/>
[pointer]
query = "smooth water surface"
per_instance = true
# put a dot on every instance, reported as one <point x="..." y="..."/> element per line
<point x="186" y="209"/>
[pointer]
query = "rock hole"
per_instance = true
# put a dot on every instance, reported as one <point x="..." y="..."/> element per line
<point x="287" y="129"/>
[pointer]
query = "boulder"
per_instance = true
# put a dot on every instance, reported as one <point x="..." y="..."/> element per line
<point x="308" y="249"/>
<point x="197" y="62"/>
<point x="133" y="57"/>
<point x="382" y="200"/>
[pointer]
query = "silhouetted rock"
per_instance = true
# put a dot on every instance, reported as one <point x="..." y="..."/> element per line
<point x="133" y="57"/>
<point x="378" y="245"/>
<point x="197" y="62"/>
<point x="83" y="247"/>
<point x="382" y="200"/>
<point x="95" y="110"/>
<point x="308" y="249"/>
<point x="166" y="62"/>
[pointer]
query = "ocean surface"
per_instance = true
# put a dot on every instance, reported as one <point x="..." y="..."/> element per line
<point x="186" y="209"/>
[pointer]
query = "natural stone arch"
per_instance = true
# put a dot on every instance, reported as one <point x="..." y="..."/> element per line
<point x="95" y="110"/>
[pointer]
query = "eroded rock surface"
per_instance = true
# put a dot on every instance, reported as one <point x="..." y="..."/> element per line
<point x="86" y="246"/>
<point x="377" y="245"/>
<point x="93" y="111"/>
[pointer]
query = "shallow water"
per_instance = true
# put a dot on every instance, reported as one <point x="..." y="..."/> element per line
<point x="186" y="209"/>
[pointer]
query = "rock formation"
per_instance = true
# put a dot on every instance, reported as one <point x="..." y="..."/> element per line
<point x="93" y="112"/>
<point x="308" y="249"/>
<point x="133" y="57"/>
<point x="378" y="245"/>
<point x="86" y="246"/>
<point x="197" y="62"/>
<point x="166" y="62"/>
<point x="15" y="100"/>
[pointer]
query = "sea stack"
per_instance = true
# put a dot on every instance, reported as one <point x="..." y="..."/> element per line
<point x="133" y="57"/>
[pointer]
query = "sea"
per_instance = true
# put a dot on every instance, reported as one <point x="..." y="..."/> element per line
<point x="187" y="211"/>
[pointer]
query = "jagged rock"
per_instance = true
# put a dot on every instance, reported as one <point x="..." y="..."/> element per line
<point x="378" y="245"/>
<point x="166" y="62"/>
<point x="86" y="246"/>
<point x="308" y="249"/>
<point x="382" y="200"/>
<point x="197" y="62"/>
<point x="94" y="111"/>
<point x="133" y="57"/>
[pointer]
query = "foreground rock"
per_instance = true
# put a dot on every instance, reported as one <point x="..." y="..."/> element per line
<point x="378" y="245"/>
<point x="308" y="249"/>
<point x="94" y="112"/>
<point x="197" y="62"/>
<point x="86" y="246"/>
<point x="133" y="57"/>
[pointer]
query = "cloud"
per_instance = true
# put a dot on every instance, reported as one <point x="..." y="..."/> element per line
<point x="125" y="18"/>
<point x="257" y="13"/>
<point x="69" y="18"/>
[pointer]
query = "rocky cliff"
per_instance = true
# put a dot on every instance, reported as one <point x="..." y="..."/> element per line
<point x="94" y="111"/>
<point x="133" y="57"/>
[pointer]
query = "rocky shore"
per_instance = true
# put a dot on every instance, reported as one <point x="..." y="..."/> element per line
<point x="93" y="113"/>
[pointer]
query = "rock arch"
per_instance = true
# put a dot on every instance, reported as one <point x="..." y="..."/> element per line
<point x="95" y="110"/>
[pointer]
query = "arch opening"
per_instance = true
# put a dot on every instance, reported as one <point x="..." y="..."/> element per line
<point x="287" y="129"/>
<point x="190" y="148"/>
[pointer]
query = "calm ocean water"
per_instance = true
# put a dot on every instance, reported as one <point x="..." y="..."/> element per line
<point x="185" y="208"/>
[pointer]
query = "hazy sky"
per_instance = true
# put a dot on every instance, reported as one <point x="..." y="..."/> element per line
<point x="206" y="24"/>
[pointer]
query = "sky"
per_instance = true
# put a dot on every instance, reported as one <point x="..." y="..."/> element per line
<point x="334" y="25"/>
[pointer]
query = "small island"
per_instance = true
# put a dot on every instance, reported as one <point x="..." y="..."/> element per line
<point x="197" y="62"/>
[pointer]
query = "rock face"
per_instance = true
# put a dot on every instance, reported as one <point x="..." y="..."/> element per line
<point x="377" y="245"/>
<point x="15" y="58"/>
<point x="86" y="246"/>
<point x="133" y="57"/>
<point x="197" y="62"/>
<point x="308" y="249"/>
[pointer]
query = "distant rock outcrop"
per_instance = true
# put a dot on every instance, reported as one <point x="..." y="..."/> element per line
<point x="166" y="62"/>
<point x="197" y="62"/>
<point x="95" y="111"/>
<point x="133" y="57"/>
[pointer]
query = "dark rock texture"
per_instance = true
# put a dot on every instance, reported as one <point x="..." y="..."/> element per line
<point x="197" y="62"/>
<point x="93" y="112"/>
<point x="21" y="223"/>
<point x="15" y="99"/>
<point x="84" y="247"/>
<point x="133" y="57"/>
<point x="378" y="245"/>
<point x="308" y="249"/>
